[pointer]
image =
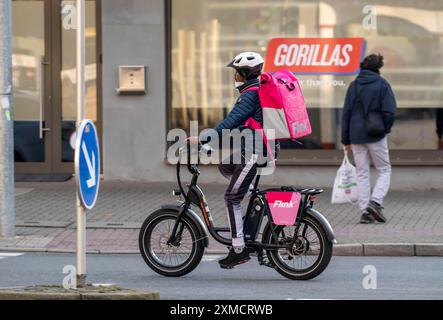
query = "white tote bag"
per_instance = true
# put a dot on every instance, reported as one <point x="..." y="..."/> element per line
<point x="345" y="184"/>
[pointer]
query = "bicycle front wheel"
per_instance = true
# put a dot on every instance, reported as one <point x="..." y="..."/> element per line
<point x="173" y="260"/>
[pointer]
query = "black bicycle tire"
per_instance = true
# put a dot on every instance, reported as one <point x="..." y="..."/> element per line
<point x="196" y="255"/>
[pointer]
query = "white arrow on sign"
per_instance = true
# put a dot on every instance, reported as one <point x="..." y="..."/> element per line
<point x="91" y="166"/>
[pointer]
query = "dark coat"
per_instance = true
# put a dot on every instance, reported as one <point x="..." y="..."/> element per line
<point x="246" y="106"/>
<point x="376" y="95"/>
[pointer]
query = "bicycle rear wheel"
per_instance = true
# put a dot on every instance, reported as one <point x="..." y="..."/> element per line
<point x="309" y="254"/>
<point x="172" y="260"/>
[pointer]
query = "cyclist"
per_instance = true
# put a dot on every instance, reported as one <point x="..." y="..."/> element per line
<point x="248" y="68"/>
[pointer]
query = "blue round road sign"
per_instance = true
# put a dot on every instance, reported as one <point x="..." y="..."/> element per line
<point x="87" y="163"/>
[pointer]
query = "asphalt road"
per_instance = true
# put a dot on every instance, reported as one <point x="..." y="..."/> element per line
<point x="396" y="277"/>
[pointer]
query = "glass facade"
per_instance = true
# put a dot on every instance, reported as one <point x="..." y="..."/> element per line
<point x="28" y="53"/>
<point x="206" y="34"/>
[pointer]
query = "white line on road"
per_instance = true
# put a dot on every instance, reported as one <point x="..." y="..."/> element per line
<point x="4" y="255"/>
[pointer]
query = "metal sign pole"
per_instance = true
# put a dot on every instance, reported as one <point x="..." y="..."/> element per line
<point x="81" y="215"/>
<point x="7" y="191"/>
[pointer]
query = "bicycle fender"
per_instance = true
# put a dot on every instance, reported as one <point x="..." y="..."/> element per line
<point x="196" y="218"/>
<point x="324" y="222"/>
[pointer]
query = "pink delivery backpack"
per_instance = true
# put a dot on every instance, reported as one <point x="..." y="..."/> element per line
<point x="284" y="108"/>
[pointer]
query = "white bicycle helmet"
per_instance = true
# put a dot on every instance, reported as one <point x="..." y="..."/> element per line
<point x="248" y="64"/>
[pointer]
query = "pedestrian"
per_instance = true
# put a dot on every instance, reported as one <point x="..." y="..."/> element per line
<point x="368" y="117"/>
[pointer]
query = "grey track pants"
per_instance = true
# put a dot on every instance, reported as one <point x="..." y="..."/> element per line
<point x="379" y="153"/>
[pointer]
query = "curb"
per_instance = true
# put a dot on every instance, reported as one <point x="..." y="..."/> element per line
<point x="350" y="249"/>
<point x="429" y="250"/>
<point x="345" y="249"/>
<point x="390" y="249"/>
<point x="68" y="251"/>
<point x="123" y="295"/>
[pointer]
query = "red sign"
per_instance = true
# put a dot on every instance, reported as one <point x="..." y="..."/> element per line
<point x="315" y="55"/>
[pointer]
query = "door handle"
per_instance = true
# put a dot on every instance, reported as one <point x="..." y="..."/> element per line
<point x="42" y="128"/>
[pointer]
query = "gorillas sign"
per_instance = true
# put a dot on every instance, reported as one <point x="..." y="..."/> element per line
<point x="315" y="55"/>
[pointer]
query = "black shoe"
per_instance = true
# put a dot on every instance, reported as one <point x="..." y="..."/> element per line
<point x="366" y="218"/>
<point x="376" y="211"/>
<point x="234" y="258"/>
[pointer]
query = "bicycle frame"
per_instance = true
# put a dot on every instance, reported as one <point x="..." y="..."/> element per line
<point x="195" y="196"/>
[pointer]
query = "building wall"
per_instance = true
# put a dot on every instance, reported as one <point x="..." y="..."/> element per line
<point x="134" y="127"/>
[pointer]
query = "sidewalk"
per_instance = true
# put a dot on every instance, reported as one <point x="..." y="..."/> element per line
<point x="45" y="214"/>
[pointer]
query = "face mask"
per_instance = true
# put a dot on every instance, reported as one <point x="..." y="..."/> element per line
<point x="238" y="84"/>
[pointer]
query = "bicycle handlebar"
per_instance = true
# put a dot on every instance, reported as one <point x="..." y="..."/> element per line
<point x="201" y="148"/>
<point x="193" y="169"/>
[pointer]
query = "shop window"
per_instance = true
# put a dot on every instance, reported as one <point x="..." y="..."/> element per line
<point x="206" y="34"/>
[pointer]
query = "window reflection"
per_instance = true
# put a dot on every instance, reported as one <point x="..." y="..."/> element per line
<point x="28" y="41"/>
<point x="206" y="34"/>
